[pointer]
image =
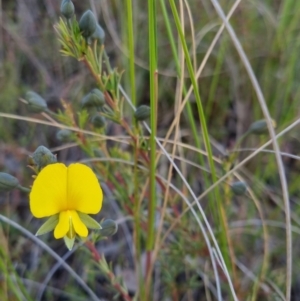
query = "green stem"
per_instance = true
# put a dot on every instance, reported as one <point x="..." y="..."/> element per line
<point x="153" y="99"/>
<point x="107" y="62"/>
<point x="215" y="79"/>
<point x="188" y="108"/>
<point x="218" y="215"/>
<point x="152" y="60"/>
<point x="137" y="231"/>
<point x="131" y="50"/>
<point x="24" y="189"/>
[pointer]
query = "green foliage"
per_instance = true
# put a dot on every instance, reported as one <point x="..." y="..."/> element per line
<point x="12" y="287"/>
<point x="73" y="43"/>
<point x="202" y="140"/>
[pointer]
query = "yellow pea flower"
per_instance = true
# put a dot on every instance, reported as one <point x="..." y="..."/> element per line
<point x="66" y="195"/>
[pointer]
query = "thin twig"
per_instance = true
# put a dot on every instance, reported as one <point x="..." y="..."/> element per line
<point x="98" y="258"/>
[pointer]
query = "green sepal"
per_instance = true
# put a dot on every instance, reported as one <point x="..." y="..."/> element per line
<point x="88" y="221"/>
<point x="69" y="242"/>
<point x="48" y="226"/>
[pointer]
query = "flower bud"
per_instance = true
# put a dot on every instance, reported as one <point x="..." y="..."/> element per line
<point x="67" y="9"/>
<point x="98" y="153"/>
<point x="42" y="157"/>
<point x="239" y="188"/>
<point x="109" y="228"/>
<point x="98" y="121"/>
<point x="260" y="127"/>
<point x="64" y="135"/>
<point x="87" y="24"/>
<point x="99" y="34"/>
<point x="142" y="113"/>
<point x="93" y="99"/>
<point x="7" y="182"/>
<point x="36" y="103"/>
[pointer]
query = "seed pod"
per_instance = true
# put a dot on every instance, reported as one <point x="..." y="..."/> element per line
<point x="43" y="157"/>
<point x="142" y="113"/>
<point x="239" y="188"/>
<point x="87" y="24"/>
<point x="36" y="103"/>
<point x="67" y="9"/>
<point x="7" y="182"/>
<point x="99" y="34"/>
<point x="93" y="99"/>
<point x="64" y="135"/>
<point x="260" y="127"/>
<point x="98" y="121"/>
<point x="109" y="228"/>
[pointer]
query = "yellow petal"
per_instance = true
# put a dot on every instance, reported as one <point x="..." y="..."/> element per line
<point x="63" y="225"/>
<point x="84" y="191"/>
<point x="48" y="195"/>
<point x="79" y="226"/>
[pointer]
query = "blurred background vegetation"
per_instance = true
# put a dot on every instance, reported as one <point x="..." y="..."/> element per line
<point x="269" y="31"/>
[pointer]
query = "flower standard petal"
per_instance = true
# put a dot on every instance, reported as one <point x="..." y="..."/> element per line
<point x="83" y="189"/>
<point x="79" y="226"/>
<point x="49" y="191"/>
<point x="63" y="225"/>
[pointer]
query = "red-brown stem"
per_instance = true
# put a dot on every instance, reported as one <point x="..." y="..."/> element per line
<point x="126" y="126"/>
<point x="99" y="81"/>
<point x="97" y="257"/>
<point x="113" y="106"/>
